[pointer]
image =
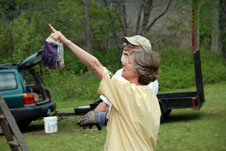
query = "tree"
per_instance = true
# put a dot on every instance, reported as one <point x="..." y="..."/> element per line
<point x="209" y="24"/>
<point x="145" y="9"/>
<point x="222" y="23"/>
<point x="87" y="26"/>
<point x="128" y="13"/>
<point x="215" y="31"/>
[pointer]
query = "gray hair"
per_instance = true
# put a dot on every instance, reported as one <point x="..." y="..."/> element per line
<point x="146" y="65"/>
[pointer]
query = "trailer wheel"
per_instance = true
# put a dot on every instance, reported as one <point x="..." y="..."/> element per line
<point x="168" y="111"/>
<point x="163" y="110"/>
<point x="161" y="118"/>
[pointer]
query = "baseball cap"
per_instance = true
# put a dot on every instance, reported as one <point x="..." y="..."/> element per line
<point x="138" y="41"/>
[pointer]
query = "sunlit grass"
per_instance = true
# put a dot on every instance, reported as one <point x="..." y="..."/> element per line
<point x="191" y="130"/>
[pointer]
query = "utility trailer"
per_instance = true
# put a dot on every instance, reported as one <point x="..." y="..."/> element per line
<point x="178" y="100"/>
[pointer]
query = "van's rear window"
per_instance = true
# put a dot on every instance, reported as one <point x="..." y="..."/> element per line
<point x="7" y="81"/>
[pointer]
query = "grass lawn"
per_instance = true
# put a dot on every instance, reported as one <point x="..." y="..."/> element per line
<point x="184" y="130"/>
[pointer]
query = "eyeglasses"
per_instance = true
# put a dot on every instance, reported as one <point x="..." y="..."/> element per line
<point x="130" y="46"/>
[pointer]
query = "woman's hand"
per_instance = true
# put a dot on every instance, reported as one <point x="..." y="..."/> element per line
<point x="58" y="35"/>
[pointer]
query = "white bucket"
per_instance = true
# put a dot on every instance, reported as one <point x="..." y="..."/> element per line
<point x="50" y="124"/>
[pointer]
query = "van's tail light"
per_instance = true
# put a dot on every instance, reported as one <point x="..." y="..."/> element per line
<point x="28" y="98"/>
<point x="194" y="101"/>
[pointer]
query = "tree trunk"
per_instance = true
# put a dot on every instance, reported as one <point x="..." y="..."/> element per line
<point x="215" y="31"/>
<point x="158" y="17"/>
<point x="88" y="34"/>
<point x="147" y="9"/>
<point x="222" y="23"/>
<point x="115" y="36"/>
<point x="120" y="10"/>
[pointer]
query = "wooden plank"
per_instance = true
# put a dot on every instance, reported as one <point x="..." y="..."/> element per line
<point x="7" y="133"/>
<point x="13" y="143"/>
<point x="14" y="148"/>
<point x="2" y="116"/>
<point x="13" y="125"/>
<point x="6" y="129"/>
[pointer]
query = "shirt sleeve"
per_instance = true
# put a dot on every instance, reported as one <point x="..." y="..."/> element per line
<point x="105" y="100"/>
<point x="111" y="87"/>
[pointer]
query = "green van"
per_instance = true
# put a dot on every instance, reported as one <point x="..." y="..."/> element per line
<point x="24" y="92"/>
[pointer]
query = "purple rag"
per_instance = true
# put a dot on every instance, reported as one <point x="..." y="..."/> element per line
<point x="52" y="55"/>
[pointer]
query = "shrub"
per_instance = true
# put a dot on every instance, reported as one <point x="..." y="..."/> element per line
<point x="213" y="67"/>
<point x="177" y="69"/>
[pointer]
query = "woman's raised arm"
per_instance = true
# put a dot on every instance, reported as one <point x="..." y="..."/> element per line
<point x="89" y="60"/>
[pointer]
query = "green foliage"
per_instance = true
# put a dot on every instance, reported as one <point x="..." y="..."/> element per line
<point x="109" y="58"/>
<point x="72" y="63"/>
<point x="213" y="67"/>
<point x="3" y="43"/>
<point x="206" y="22"/>
<point x="21" y="39"/>
<point x="66" y="85"/>
<point x="25" y="41"/>
<point x="177" y="69"/>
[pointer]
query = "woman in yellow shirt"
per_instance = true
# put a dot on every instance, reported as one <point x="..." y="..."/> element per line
<point x="134" y="119"/>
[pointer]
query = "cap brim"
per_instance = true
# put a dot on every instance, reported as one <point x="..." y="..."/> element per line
<point x="129" y="40"/>
<point x="123" y="39"/>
